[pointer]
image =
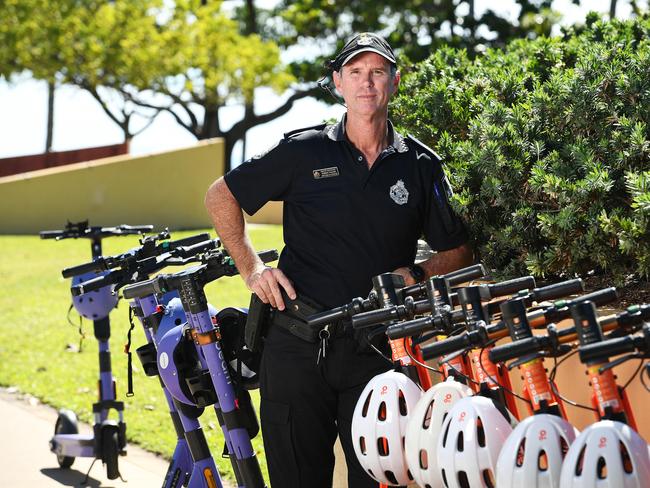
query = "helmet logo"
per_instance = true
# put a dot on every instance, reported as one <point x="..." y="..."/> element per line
<point x="602" y="442"/>
<point x="384" y="390"/>
<point x="542" y="435"/>
<point x="461" y="417"/>
<point x="447" y="398"/>
<point x="399" y="193"/>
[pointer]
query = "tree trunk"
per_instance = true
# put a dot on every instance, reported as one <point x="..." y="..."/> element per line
<point x="612" y="9"/>
<point x="51" y="87"/>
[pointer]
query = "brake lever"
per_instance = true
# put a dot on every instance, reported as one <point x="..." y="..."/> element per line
<point x="621" y="360"/>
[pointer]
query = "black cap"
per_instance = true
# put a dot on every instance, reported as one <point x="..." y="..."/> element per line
<point x="364" y="42"/>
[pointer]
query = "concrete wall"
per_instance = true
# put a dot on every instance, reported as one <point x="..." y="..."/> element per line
<point x="165" y="189"/>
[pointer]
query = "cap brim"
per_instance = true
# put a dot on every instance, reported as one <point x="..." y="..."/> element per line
<point x="366" y="50"/>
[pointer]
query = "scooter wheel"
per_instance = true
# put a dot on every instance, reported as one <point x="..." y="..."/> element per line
<point x="110" y="451"/>
<point x="66" y="423"/>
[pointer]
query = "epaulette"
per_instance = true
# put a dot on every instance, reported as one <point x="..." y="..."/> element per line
<point x="293" y="133"/>
<point x="428" y="152"/>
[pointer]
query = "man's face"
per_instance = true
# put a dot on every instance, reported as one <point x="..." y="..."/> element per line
<point x="366" y="84"/>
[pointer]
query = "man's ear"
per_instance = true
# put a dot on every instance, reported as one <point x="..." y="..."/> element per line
<point x="396" y="81"/>
<point x="336" y="76"/>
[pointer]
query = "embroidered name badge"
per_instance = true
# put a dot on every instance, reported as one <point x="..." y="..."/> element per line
<point x="325" y="172"/>
<point x="399" y="193"/>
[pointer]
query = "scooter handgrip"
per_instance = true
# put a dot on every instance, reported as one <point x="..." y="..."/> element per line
<point x="374" y="317"/>
<point x="410" y="328"/>
<point x="145" y="288"/>
<point x="514" y="349"/>
<point x="187" y="241"/>
<point x="51" y="234"/>
<point x="558" y="290"/>
<point x="511" y="286"/>
<point x="444" y="347"/>
<point x="464" y="275"/>
<point x="327" y="316"/>
<point x="94" y="284"/>
<point x="96" y="265"/>
<point x="268" y="255"/>
<point x="604" y="349"/>
<point x="129" y="229"/>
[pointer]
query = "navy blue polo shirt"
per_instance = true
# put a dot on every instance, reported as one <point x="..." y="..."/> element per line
<point x="345" y="223"/>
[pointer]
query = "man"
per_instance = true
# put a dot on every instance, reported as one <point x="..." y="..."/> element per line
<point x="357" y="195"/>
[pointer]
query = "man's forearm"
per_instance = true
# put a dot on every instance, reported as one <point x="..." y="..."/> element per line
<point x="446" y="261"/>
<point x="228" y="220"/>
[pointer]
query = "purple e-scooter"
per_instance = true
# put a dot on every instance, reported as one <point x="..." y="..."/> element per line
<point x="191" y="462"/>
<point x="108" y="439"/>
<point x="192" y="363"/>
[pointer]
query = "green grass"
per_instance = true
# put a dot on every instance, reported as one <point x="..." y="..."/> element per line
<point x="34" y="335"/>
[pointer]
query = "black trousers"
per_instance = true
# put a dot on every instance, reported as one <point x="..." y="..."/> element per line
<point x="304" y="406"/>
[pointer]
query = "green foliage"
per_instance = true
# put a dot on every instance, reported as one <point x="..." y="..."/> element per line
<point x="34" y="352"/>
<point x="548" y="145"/>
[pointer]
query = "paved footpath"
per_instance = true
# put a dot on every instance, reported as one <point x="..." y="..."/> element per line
<point x="26" y="427"/>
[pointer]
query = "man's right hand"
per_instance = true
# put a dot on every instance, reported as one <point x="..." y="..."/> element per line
<point x="265" y="282"/>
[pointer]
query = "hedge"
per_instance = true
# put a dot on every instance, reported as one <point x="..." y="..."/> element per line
<point x="547" y="144"/>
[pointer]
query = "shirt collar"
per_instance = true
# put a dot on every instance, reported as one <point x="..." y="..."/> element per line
<point x="336" y="132"/>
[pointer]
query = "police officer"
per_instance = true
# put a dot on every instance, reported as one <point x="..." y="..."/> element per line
<point x="357" y="196"/>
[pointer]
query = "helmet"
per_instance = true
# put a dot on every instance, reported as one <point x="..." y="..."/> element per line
<point x="173" y="315"/>
<point x="472" y="436"/>
<point x="179" y="359"/>
<point x="379" y="424"/>
<point x="533" y="454"/>
<point x="607" y="454"/>
<point x="424" y="426"/>
<point x="94" y="305"/>
<point x="243" y="363"/>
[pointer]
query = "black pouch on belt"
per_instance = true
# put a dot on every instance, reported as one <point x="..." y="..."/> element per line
<point x="294" y="317"/>
<point x="256" y="323"/>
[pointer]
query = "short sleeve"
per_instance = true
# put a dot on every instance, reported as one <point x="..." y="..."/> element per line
<point x="443" y="229"/>
<point x="262" y="178"/>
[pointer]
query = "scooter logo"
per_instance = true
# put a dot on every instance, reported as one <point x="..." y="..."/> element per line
<point x="164" y="360"/>
<point x="399" y="193"/>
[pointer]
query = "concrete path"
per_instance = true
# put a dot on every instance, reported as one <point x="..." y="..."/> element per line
<point x="26" y="427"/>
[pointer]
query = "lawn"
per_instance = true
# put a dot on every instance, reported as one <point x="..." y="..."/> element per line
<point x="38" y="345"/>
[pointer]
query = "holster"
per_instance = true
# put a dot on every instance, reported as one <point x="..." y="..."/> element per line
<point x="294" y="317"/>
<point x="257" y="323"/>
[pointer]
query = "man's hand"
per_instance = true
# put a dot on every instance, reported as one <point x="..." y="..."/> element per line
<point x="265" y="282"/>
<point x="406" y="274"/>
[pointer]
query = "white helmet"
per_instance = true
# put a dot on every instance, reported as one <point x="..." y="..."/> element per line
<point x="607" y="454"/>
<point x="424" y="427"/>
<point x="533" y="454"/>
<point x="379" y="424"/>
<point x="472" y="436"/>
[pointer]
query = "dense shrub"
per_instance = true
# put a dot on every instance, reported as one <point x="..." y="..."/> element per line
<point x="547" y="144"/>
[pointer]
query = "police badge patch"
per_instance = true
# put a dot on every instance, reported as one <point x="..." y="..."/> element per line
<point x="399" y="193"/>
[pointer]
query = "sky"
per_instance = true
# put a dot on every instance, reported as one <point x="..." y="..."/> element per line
<point x="80" y="122"/>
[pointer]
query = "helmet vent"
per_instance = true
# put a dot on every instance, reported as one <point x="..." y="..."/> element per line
<point x="625" y="457"/>
<point x="362" y="445"/>
<point x="364" y="410"/>
<point x="403" y="409"/>
<point x="480" y="432"/>
<point x="463" y="482"/>
<point x="90" y="299"/>
<point x="381" y="414"/>
<point x="427" y="416"/>
<point x="564" y="446"/>
<point x="581" y="460"/>
<point x="178" y="321"/>
<point x="542" y="460"/>
<point x="424" y="459"/>
<point x="521" y="451"/>
<point x="488" y="477"/>
<point x="391" y="477"/>
<point x="444" y="478"/>
<point x="382" y="446"/>
<point x="444" y="437"/>
<point x="460" y="442"/>
<point x="601" y="468"/>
